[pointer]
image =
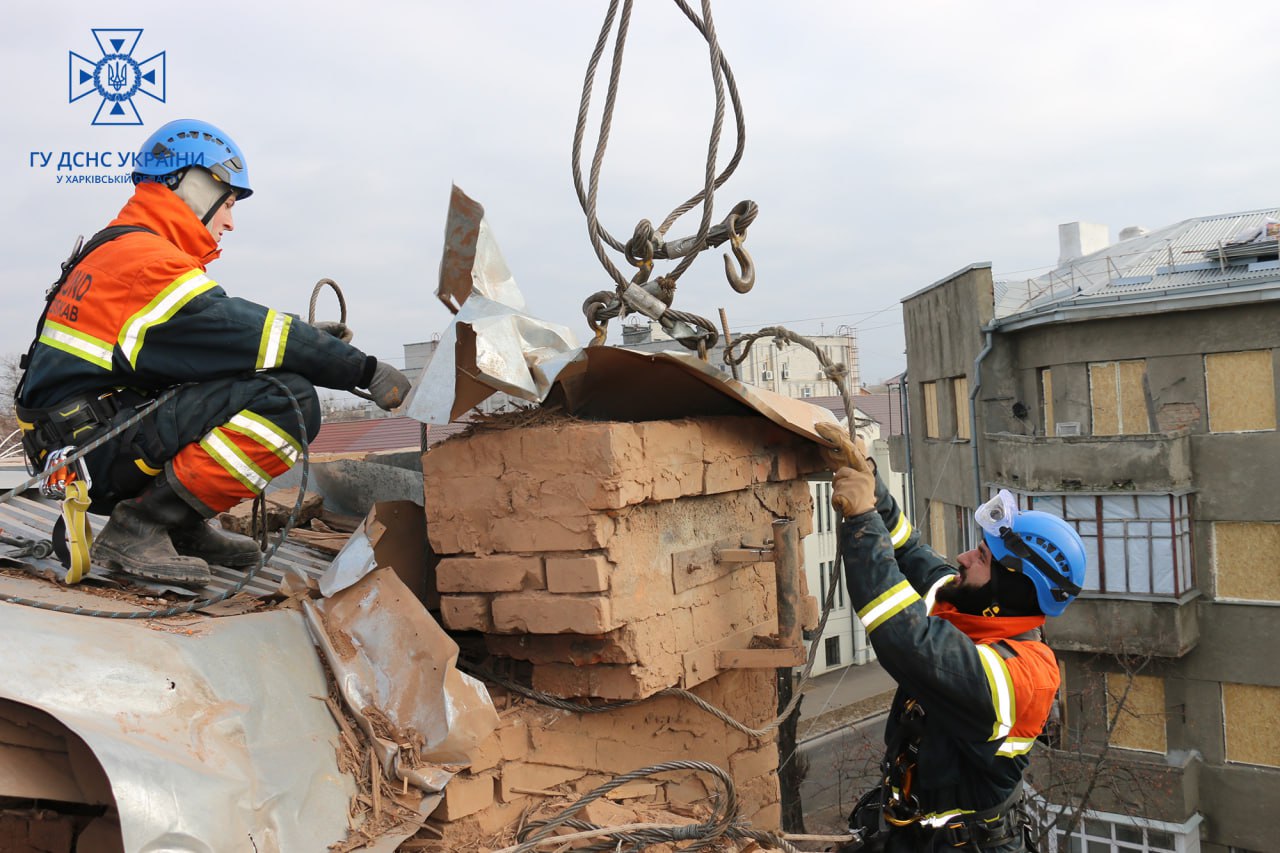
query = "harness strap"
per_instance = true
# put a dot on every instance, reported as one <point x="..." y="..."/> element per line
<point x="79" y="252"/>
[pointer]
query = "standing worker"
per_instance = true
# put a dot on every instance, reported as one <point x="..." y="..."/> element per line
<point x="135" y="314"/>
<point x="976" y="683"/>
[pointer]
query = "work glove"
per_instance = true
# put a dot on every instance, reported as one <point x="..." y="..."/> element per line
<point x="341" y="331"/>
<point x="853" y="486"/>
<point x="847" y="451"/>
<point x="388" y="386"/>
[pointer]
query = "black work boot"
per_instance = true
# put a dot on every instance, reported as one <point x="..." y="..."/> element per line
<point x="197" y="538"/>
<point x="135" y="539"/>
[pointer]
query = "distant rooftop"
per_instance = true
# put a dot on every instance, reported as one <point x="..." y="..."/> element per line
<point x="366" y="436"/>
<point x="1209" y="259"/>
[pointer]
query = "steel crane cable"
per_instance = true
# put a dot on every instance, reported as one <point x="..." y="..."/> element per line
<point x="646" y="243"/>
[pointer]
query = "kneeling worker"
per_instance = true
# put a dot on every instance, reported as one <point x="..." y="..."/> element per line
<point x="135" y="314"/>
<point x="976" y="682"/>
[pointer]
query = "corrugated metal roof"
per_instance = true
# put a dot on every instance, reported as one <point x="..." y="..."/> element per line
<point x="1145" y="268"/>
<point x="366" y="436"/>
<point x="26" y="518"/>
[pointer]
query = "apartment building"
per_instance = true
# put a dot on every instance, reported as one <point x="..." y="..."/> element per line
<point x="1131" y="391"/>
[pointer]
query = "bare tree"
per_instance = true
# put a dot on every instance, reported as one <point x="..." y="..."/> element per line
<point x="9" y="375"/>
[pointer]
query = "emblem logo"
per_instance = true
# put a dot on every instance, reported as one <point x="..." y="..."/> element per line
<point x="116" y="77"/>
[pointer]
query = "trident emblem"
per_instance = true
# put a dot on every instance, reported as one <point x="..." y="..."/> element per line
<point x="117" y="75"/>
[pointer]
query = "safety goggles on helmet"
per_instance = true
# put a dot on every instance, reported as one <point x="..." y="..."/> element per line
<point x="1044" y="548"/>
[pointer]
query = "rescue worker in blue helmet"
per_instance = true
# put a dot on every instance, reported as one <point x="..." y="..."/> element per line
<point x="134" y="314"/>
<point x="976" y="682"/>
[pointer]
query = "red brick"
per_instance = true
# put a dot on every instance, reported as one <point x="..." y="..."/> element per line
<point x="548" y="613"/>
<point x="466" y="612"/>
<point x="497" y="573"/>
<point x="464" y="795"/>
<point x="580" y="533"/>
<point x="751" y="763"/>
<point x="588" y="573"/>
<point x="514" y="738"/>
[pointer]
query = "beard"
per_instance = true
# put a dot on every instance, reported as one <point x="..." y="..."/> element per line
<point x="967" y="599"/>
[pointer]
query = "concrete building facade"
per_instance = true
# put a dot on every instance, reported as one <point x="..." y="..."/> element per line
<point x="1132" y="391"/>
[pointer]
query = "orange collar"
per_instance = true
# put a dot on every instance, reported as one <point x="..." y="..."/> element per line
<point x="986" y="628"/>
<point x="156" y="207"/>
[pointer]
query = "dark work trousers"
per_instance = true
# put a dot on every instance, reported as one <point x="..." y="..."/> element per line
<point x="123" y="467"/>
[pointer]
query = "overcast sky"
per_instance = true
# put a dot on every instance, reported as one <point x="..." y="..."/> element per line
<point x="888" y="144"/>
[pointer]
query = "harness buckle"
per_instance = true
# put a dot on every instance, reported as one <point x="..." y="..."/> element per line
<point x="58" y="475"/>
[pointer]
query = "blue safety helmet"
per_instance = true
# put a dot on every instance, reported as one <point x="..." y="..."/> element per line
<point x="188" y="142"/>
<point x="1045" y="549"/>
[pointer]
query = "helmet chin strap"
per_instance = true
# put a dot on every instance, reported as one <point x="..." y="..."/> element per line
<point x="202" y="192"/>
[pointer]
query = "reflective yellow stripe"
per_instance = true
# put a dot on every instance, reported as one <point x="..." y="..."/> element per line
<point x="932" y="595"/>
<point x="1002" y="700"/>
<point x="73" y="342"/>
<point x="936" y="819"/>
<point x="1016" y="746"/>
<point x="233" y="460"/>
<point x="887" y="605"/>
<point x="159" y="310"/>
<point x="901" y="531"/>
<point x="266" y="433"/>
<point x="275" y="334"/>
<point x="145" y="468"/>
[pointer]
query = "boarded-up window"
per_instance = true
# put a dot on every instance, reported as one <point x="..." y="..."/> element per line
<point x="1241" y="391"/>
<point x="1244" y="560"/>
<point x="1046" y="400"/>
<point x="1117" y="397"/>
<point x="1139" y="713"/>
<point x="1249" y="711"/>
<point x="938" y="526"/>
<point x="930" y="390"/>
<point x="960" y="388"/>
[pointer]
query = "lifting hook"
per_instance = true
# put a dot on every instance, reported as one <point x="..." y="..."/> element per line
<point x="743" y="282"/>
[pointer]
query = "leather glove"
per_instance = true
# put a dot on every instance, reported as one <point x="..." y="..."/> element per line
<point x="853" y="490"/>
<point x="847" y="451"/>
<point x="341" y="331"/>
<point x="853" y="487"/>
<point x="388" y="386"/>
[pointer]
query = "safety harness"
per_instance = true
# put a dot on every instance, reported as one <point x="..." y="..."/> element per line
<point x="892" y="806"/>
<point x="50" y="435"/>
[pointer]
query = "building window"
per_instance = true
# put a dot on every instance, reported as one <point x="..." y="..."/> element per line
<point x="824" y="577"/>
<point x="1140" y="720"/>
<point x="832" y="646"/>
<point x="1118" y="398"/>
<point x="1240" y="390"/>
<point x="964" y="527"/>
<point x="1046" y="400"/>
<point x="960" y="393"/>
<point x="1136" y="544"/>
<point x="930" y="391"/>
<point x="823" y="515"/>
<point x="1244" y="560"/>
<point x="1248" y="712"/>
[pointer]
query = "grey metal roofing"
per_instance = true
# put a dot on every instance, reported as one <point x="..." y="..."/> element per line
<point x="28" y="518"/>
<point x="1188" y="262"/>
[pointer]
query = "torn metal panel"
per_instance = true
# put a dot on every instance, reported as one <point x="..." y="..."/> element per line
<point x="393" y="535"/>
<point x="210" y="732"/>
<point x="393" y="661"/>
<point x="619" y="384"/>
<point x="492" y="344"/>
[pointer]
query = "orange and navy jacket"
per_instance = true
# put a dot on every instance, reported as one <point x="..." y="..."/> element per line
<point x="140" y="312"/>
<point x="985" y="695"/>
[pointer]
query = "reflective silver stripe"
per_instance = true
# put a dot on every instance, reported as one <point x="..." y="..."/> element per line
<point x="901" y="531"/>
<point x="267" y="434"/>
<point x="1002" y="699"/>
<point x="166" y="303"/>
<point x="932" y="595"/>
<point x="886" y="605"/>
<point x="235" y="462"/>
<point x="77" y="343"/>
<point x="1016" y="746"/>
<point x="275" y="332"/>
